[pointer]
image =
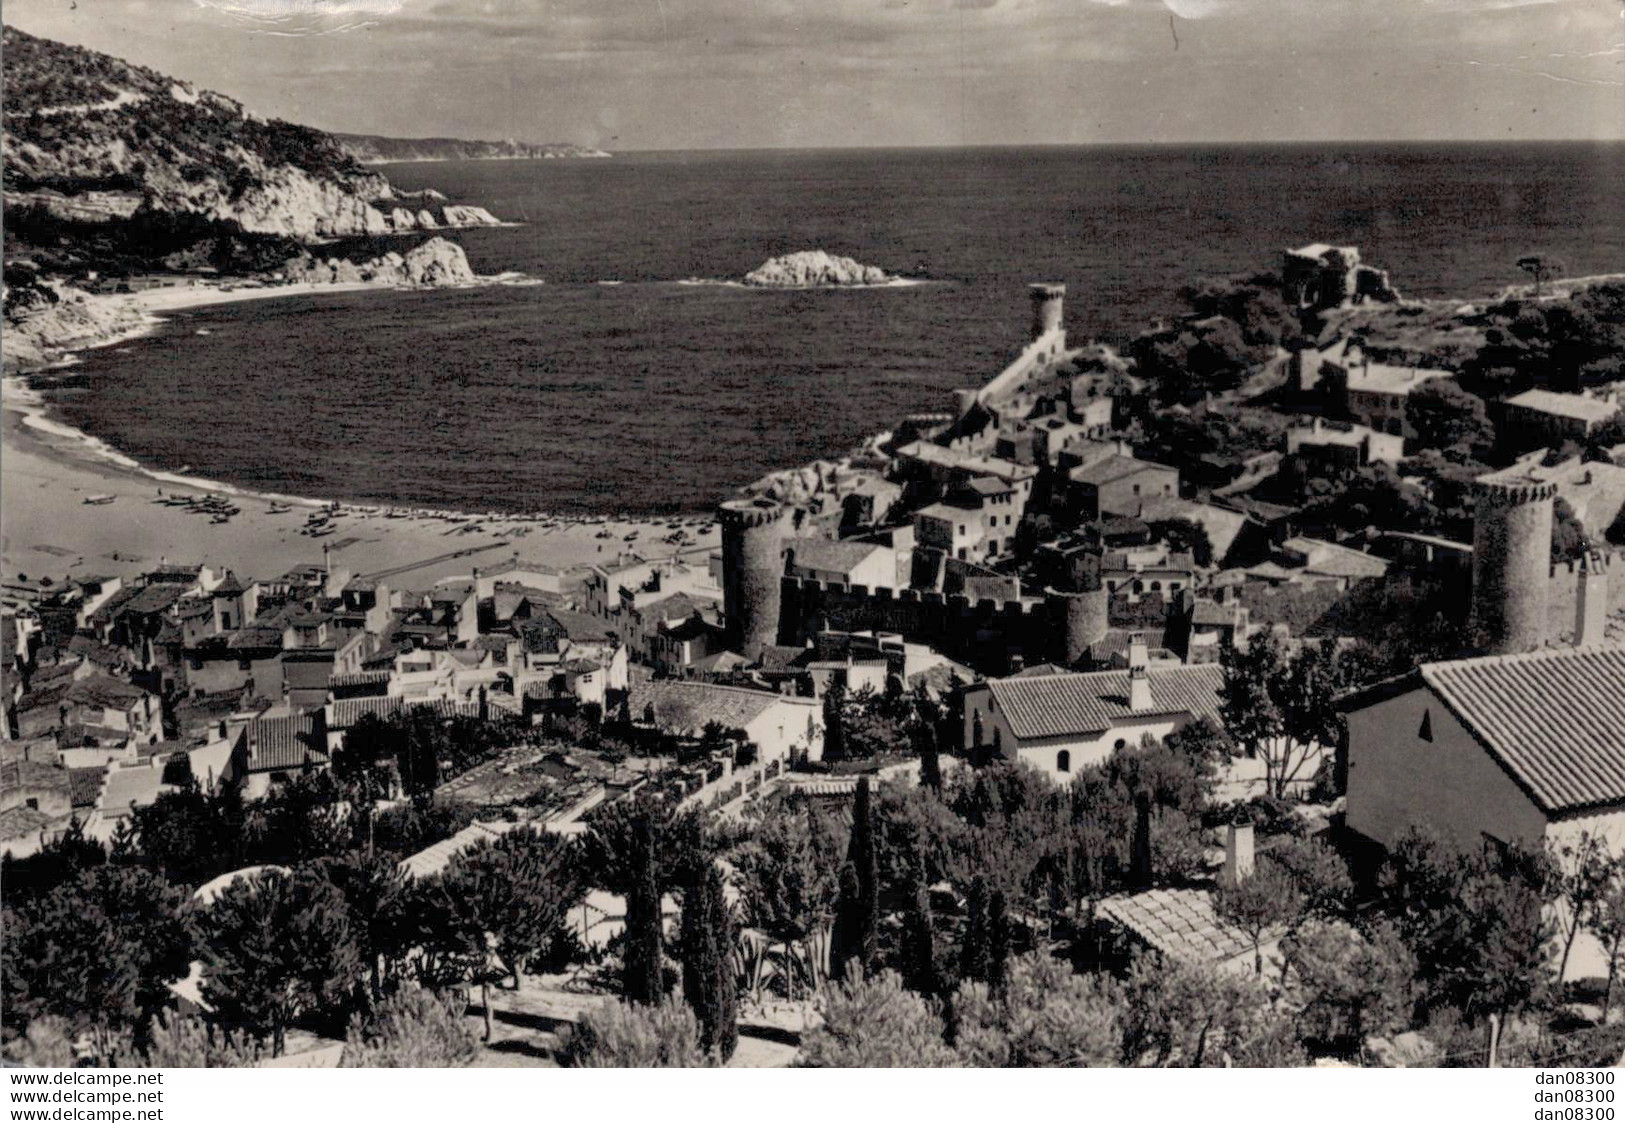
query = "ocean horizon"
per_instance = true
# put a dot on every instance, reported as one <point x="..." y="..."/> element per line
<point x="616" y="388"/>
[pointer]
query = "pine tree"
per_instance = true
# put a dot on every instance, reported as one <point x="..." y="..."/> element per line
<point x="643" y="967"/>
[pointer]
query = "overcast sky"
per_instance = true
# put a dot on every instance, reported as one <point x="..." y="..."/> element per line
<point x="633" y="74"/>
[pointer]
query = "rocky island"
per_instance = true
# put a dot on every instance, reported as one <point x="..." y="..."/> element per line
<point x="435" y="262"/>
<point x="816" y="269"/>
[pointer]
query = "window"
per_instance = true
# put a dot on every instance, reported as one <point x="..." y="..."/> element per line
<point x="1156" y="586"/>
<point x="1063" y="761"/>
<point x="1120" y="744"/>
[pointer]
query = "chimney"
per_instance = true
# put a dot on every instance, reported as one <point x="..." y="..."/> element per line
<point x="1238" y="853"/>
<point x="1139" y="675"/>
<point x="1591" y="601"/>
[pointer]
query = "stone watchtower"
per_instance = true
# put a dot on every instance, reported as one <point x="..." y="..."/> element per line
<point x="1047" y="300"/>
<point x="753" y="543"/>
<point x="1080" y="620"/>
<point x="1512" y="562"/>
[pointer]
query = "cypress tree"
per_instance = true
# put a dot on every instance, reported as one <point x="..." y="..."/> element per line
<point x="930" y="764"/>
<point x="919" y="949"/>
<point x="864" y="856"/>
<point x="973" y="956"/>
<point x="643" y="980"/>
<point x="727" y="979"/>
<point x="845" y="935"/>
<point x="1140" y="858"/>
<point x="709" y="982"/>
<point x="998" y="942"/>
<point x="834" y="723"/>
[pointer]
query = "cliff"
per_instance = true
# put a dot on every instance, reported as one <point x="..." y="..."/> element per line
<point x="43" y="321"/>
<point x="394" y="150"/>
<point x="92" y="142"/>
<point x="815" y="269"/>
<point x="435" y="262"/>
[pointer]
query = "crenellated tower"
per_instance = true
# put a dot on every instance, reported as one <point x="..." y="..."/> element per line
<point x="754" y="534"/>
<point x="1512" y="562"/>
<point x="1047" y="298"/>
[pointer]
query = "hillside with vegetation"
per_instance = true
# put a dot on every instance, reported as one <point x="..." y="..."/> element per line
<point x="398" y="150"/>
<point x="111" y="159"/>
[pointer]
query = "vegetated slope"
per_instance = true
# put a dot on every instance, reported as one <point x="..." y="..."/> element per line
<point x="92" y="140"/>
<point x="398" y="150"/>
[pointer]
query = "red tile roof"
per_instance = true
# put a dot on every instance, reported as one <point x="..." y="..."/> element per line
<point x="279" y="744"/>
<point x="1555" y="720"/>
<point x="688" y="707"/>
<point x="1071" y="704"/>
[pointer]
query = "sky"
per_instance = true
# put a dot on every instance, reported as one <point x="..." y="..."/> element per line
<point x="646" y="74"/>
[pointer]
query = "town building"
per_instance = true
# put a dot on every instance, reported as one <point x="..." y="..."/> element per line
<point x="1342" y="444"/>
<point x="781" y="727"/>
<point x="1061" y="723"/>
<point x="1546" y="419"/>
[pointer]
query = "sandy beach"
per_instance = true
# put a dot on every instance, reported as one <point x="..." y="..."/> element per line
<point x="47" y="529"/>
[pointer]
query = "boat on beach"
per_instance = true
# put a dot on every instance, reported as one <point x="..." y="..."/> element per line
<point x="99" y="500"/>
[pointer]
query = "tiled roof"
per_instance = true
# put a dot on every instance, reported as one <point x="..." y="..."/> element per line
<point x="32" y="775"/>
<point x="85" y="786"/>
<point x="1180" y="923"/>
<point x="348" y="711"/>
<point x="1222" y="526"/>
<point x="688" y="707"/>
<point x="22" y="822"/>
<point x="1065" y="705"/>
<point x="1594" y="410"/>
<point x="153" y="598"/>
<point x="281" y="743"/>
<point x="1554" y="719"/>
<point x="1115" y="468"/>
<point x="434" y="859"/>
<point x="834" y="557"/>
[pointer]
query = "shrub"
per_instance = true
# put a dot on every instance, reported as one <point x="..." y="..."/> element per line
<point x="621" y="1035"/>
<point x="412" y="1028"/>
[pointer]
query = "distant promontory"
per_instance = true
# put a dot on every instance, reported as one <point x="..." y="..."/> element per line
<point x="816" y="269"/>
<point x="396" y="150"/>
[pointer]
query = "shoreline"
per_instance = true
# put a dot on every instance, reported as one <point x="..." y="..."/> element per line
<point x="51" y="467"/>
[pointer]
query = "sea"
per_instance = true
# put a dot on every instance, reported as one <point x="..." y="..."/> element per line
<point x="618" y="386"/>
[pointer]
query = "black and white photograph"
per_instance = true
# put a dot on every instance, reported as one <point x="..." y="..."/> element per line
<point x="812" y="534"/>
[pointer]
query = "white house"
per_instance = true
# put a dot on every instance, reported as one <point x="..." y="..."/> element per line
<point x="1062" y="722"/>
<point x="1501" y="749"/>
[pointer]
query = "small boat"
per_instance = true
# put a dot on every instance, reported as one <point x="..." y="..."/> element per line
<point x="99" y="500"/>
<point x="220" y="519"/>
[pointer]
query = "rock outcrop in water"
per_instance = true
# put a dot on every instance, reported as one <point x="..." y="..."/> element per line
<point x="815" y="269"/>
<point x="435" y="262"/>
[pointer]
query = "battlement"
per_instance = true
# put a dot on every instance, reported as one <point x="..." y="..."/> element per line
<point x="886" y="594"/>
<point x="1512" y="492"/>
<point x="1046" y="290"/>
<point x="749" y="513"/>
